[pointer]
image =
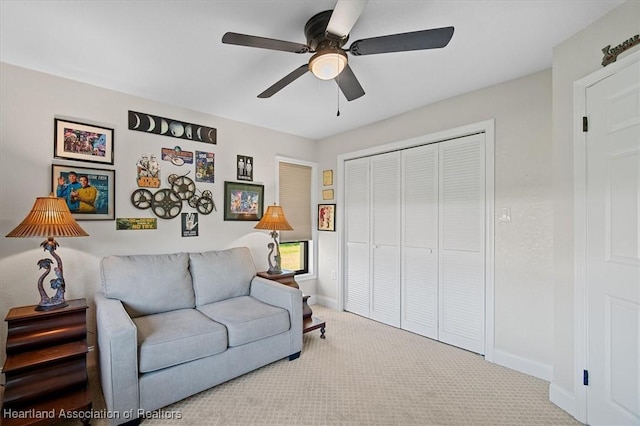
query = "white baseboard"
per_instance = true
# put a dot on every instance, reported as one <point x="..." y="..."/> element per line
<point x="562" y="398"/>
<point x="523" y="365"/>
<point x="324" y="301"/>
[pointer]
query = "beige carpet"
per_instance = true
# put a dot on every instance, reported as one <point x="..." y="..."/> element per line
<point x="367" y="373"/>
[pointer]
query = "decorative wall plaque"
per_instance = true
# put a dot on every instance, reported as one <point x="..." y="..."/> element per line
<point x="143" y="122"/>
<point x="245" y="168"/>
<point x="610" y="55"/>
<point x="136" y="223"/>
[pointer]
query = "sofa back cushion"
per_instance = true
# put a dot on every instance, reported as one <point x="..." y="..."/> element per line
<point x="222" y="274"/>
<point x="148" y="284"/>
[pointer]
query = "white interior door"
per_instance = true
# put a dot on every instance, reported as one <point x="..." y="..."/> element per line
<point x="462" y="242"/>
<point x="385" y="238"/>
<point x="613" y="249"/>
<point x="357" y="211"/>
<point x="419" y="287"/>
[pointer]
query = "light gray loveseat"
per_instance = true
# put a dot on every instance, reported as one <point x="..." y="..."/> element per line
<point x="172" y="325"/>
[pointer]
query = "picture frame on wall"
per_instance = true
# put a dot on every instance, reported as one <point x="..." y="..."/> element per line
<point x="90" y="193"/>
<point x="327" y="194"/>
<point x="327" y="217"/>
<point x="83" y="142"/>
<point x="245" y="168"/>
<point x="243" y="201"/>
<point x="327" y="178"/>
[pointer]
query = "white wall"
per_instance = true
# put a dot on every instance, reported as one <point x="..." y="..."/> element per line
<point x="574" y="59"/>
<point x="524" y="247"/>
<point x="30" y="100"/>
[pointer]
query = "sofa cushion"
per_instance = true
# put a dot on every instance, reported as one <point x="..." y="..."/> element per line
<point x="219" y="275"/>
<point x="247" y="319"/>
<point x="171" y="338"/>
<point x="148" y="284"/>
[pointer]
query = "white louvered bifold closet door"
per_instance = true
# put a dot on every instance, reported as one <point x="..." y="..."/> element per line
<point x="462" y="242"/>
<point x="357" y="211"/>
<point x="415" y="242"/>
<point x="419" y="288"/>
<point x="385" y="238"/>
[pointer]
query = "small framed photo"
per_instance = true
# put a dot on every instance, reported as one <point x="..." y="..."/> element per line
<point x="327" y="194"/>
<point x="326" y="217"/>
<point x="245" y="168"/>
<point x="243" y="201"/>
<point x="189" y="224"/>
<point x="83" y="142"/>
<point x="327" y="178"/>
<point x="90" y="193"/>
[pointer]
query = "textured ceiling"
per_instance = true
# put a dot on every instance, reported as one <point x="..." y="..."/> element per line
<point x="171" y="51"/>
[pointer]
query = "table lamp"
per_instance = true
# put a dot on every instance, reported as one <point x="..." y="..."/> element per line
<point x="49" y="217"/>
<point x="274" y="220"/>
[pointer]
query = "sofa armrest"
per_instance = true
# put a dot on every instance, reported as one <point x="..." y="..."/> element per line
<point x="118" y="357"/>
<point x="285" y="297"/>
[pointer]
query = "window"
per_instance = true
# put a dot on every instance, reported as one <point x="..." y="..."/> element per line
<point x="294" y="194"/>
<point x="294" y="256"/>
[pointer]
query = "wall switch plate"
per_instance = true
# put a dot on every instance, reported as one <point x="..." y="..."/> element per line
<point x="505" y="215"/>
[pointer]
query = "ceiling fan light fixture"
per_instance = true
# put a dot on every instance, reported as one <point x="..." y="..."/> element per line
<point x="328" y="63"/>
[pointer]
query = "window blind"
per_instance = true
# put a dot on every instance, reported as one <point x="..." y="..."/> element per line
<point x="295" y="199"/>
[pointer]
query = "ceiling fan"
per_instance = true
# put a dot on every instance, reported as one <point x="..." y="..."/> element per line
<point x="327" y="32"/>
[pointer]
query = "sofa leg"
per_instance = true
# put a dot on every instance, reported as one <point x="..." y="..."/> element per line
<point x="294" y="356"/>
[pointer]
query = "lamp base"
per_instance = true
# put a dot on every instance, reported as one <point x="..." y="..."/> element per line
<point x="274" y="271"/>
<point x="56" y="301"/>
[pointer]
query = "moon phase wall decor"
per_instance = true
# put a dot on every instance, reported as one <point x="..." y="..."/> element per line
<point x="147" y="123"/>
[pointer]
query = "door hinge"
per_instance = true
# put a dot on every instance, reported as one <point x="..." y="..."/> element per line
<point x="585" y="124"/>
<point x="585" y="377"/>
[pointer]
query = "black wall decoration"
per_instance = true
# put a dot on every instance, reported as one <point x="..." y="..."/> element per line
<point x="148" y="123"/>
<point x="245" y="168"/>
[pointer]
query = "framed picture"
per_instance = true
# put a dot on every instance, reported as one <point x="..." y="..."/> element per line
<point x="327" y="177"/>
<point x="205" y="166"/>
<point x="326" y="217"/>
<point x="189" y="224"/>
<point x="327" y="194"/>
<point x="83" y="142"/>
<point x="245" y="168"/>
<point x="90" y="193"/>
<point x="243" y="201"/>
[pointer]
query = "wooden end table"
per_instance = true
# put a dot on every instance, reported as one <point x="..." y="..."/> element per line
<point x="309" y="323"/>
<point x="46" y="365"/>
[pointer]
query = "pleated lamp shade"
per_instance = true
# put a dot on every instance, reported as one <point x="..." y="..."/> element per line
<point x="274" y="220"/>
<point x="49" y="217"/>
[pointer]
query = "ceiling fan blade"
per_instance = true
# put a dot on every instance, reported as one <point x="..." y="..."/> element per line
<point x="349" y="84"/>
<point x="344" y="16"/>
<point x="282" y="83"/>
<point x="264" y="43"/>
<point x="416" y="40"/>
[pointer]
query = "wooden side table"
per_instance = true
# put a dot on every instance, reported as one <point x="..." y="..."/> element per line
<point x="309" y="322"/>
<point x="46" y="365"/>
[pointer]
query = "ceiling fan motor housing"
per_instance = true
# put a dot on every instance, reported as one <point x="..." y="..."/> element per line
<point x="316" y="32"/>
